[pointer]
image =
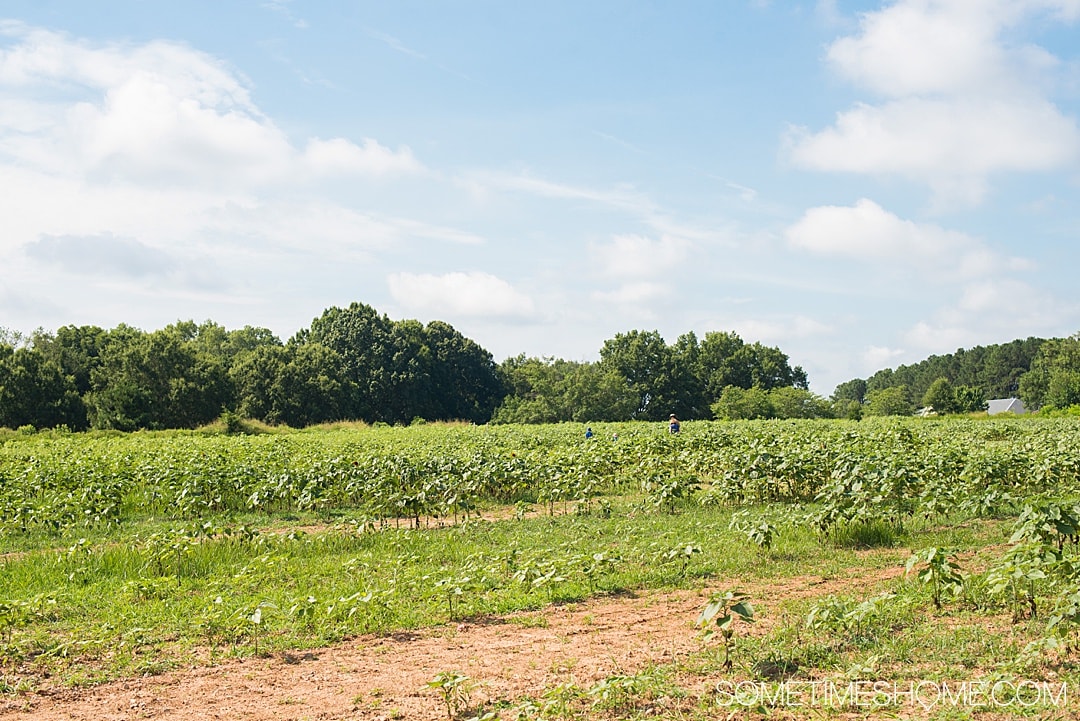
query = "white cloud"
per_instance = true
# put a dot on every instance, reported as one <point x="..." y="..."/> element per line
<point x="783" y="329"/>
<point x="341" y="156"/>
<point x="638" y="295"/>
<point x="638" y="256"/>
<point x="956" y="45"/>
<point x="473" y="294"/>
<point x="158" y="113"/>
<point x="880" y="356"/>
<point x="622" y="198"/>
<point x="998" y="310"/>
<point x="963" y="103"/>
<point x="868" y="232"/>
<point x="104" y="254"/>
<point x="320" y="228"/>
<point x="952" y="145"/>
<point x="949" y="47"/>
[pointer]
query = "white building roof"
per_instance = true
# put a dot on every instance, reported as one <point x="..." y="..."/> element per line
<point x="1005" y="405"/>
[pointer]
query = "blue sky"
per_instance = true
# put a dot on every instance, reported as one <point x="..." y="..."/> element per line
<point x="862" y="184"/>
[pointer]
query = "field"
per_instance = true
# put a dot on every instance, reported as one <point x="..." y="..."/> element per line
<point x="888" y="569"/>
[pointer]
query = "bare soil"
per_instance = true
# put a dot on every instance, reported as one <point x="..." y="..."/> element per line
<point x="385" y="677"/>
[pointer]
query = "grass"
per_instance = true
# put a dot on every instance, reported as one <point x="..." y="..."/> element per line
<point x="151" y="596"/>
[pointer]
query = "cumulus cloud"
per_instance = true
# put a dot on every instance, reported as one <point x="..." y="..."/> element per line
<point x="880" y="356"/>
<point x="782" y="329"/>
<point x="473" y="294"/>
<point x="636" y="295"/>
<point x="950" y="144"/>
<point x="961" y="103"/>
<point x="103" y="254"/>
<point x="868" y="232"/>
<point x="158" y="113"/>
<point x="638" y="256"/>
<point x="999" y="308"/>
<point x="342" y="156"/>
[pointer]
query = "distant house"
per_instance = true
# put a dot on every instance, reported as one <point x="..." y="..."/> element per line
<point x="1005" y="405"/>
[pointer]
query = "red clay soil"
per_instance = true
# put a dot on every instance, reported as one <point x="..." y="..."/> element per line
<point x="385" y="677"/>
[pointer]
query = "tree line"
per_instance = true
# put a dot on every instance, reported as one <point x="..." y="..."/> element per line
<point x="357" y="364"/>
<point x="1043" y="373"/>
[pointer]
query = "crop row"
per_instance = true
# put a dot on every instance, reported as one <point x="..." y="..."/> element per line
<point x="852" y="472"/>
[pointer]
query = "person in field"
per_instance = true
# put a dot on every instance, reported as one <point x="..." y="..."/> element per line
<point x="673" y="424"/>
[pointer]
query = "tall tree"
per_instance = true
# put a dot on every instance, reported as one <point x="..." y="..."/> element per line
<point x="156" y="380"/>
<point x="1054" y="378"/>
<point x="852" y="390"/>
<point x="465" y="384"/>
<point x="737" y="403"/>
<point x="646" y="362"/>
<point x="363" y="340"/>
<point x="889" y="402"/>
<point x="34" y="391"/>
<point x="941" y="396"/>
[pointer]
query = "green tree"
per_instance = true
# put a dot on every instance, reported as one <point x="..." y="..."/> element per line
<point x="742" y="404"/>
<point x="595" y="393"/>
<point x="849" y="399"/>
<point x="716" y="365"/>
<point x="852" y="390"/>
<point x="534" y="393"/>
<point x="1064" y="389"/>
<point x="767" y="367"/>
<point x="156" y="380"/>
<point x="788" y="402"/>
<point x="464" y="381"/>
<point x="300" y="384"/>
<point x="727" y="361"/>
<point x="76" y="350"/>
<point x="689" y="379"/>
<point x="646" y="362"/>
<point x="970" y="399"/>
<point x="1004" y="365"/>
<point x="255" y="376"/>
<point x="551" y="390"/>
<point x="34" y="391"/>
<point x="889" y="402"/>
<point x="1053" y="377"/>
<point x="363" y="340"/>
<point x="941" y="396"/>
<point x="847" y="408"/>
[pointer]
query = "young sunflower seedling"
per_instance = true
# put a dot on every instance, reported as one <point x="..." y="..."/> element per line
<point x="455" y="689"/>
<point x="939" y="569"/>
<point x="722" y="610"/>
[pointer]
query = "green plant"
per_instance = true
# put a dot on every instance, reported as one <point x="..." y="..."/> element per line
<point x="1065" y="618"/>
<point x="722" y="610"/>
<point x="255" y="619"/>
<point x="761" y="531"/>
<point x="624" y="692"/>
<point x="838" y="614"/>
<point x="682" y="553"/>
<point x="939" y="569"/>
<point x="455" y="690"/>
<point x="454" y="587"/>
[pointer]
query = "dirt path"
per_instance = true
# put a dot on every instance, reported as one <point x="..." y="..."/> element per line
<point x="384" y="677"/>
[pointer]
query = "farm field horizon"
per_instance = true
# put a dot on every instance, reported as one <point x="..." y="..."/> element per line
<point x="751" y="568"/>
